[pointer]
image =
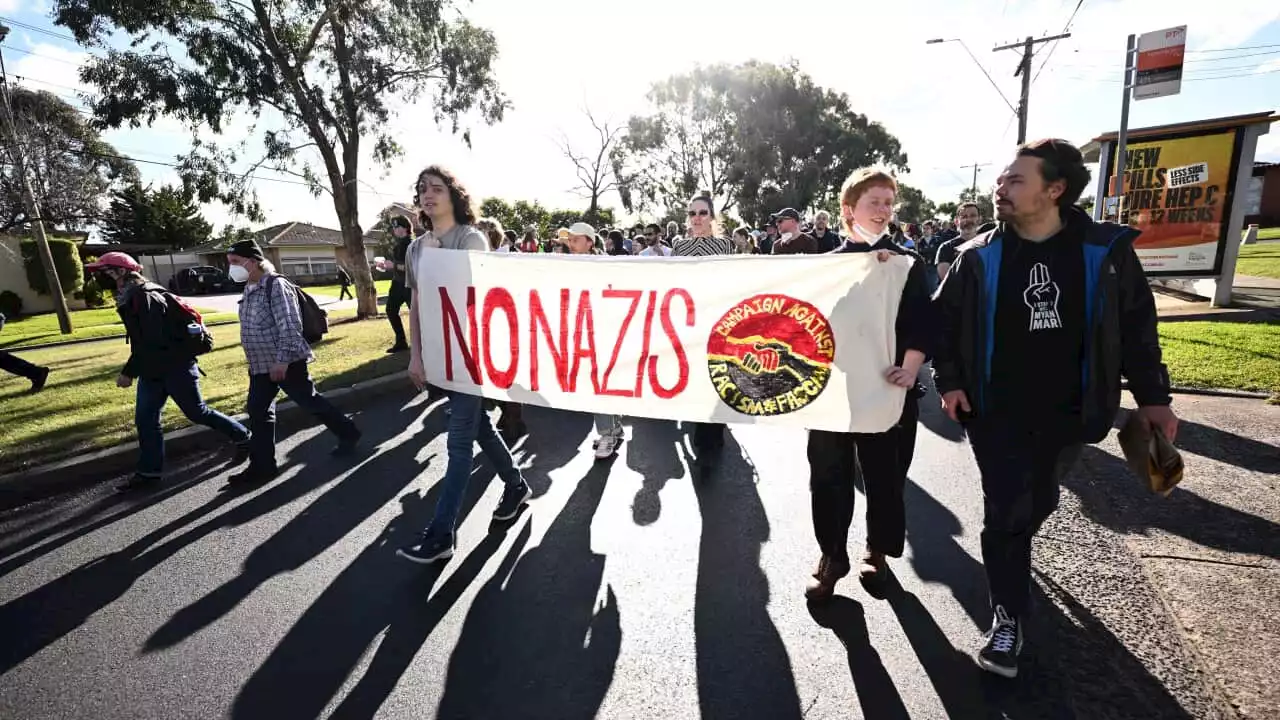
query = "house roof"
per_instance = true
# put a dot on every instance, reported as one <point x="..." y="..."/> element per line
<point x="294" y="234"/>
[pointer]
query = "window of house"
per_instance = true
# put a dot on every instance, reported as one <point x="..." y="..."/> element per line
<point x="313" y="265"/>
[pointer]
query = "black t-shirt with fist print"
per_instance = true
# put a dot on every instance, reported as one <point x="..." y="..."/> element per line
<point x="1039" y="327"/>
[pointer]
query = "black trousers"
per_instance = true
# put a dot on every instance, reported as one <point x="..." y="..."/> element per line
<point x="346" y="293"/>
<point x="398" y="297"/>
<point x="11" y="363"/>
<point x="884" y="459"/>
<point x="1022" y="463"/>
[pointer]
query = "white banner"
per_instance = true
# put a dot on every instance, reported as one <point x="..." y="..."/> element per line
<point x="801" y="341"/>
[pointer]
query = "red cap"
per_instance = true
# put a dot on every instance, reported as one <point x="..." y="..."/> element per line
<point x="115" y="259"/>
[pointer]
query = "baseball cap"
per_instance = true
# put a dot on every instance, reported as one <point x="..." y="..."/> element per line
<point x="581" y="228"/>
<point x="116" y="260"/>
<point x="563" y="233"/>
<point x="785" y="213"/>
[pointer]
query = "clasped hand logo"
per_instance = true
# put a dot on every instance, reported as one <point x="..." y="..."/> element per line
<point x="1041" y="297"/>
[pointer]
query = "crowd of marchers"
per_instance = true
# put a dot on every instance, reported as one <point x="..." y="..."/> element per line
<point x="1029" y="320"/>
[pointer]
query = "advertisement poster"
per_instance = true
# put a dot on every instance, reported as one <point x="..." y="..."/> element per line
<point x="1178" y="192"/>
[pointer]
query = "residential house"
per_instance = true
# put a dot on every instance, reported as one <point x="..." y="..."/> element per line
<point x="308" y="253"/>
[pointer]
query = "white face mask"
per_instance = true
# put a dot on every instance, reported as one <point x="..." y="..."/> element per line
<point x="864" y="234"/>
<point x="238" y="273"/>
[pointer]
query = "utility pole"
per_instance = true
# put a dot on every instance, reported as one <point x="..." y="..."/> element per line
<point x="975" y="167"/>
<point x="1024" y="69"/>
<point x="29" y="199"/>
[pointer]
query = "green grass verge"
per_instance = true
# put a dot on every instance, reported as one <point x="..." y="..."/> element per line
<point x="1259" y="260"/>
<point x="36" y="330"/>
<point x="384" y="287"/>
<point x="81" y="408"/>
<point x="1236" y="356"/>
<point x="1269" y="233"/>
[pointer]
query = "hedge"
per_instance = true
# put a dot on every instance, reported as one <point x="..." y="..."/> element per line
<point x="66" y="258"/>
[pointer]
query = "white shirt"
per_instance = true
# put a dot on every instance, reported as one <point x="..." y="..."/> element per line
<point x="656" y="250"/>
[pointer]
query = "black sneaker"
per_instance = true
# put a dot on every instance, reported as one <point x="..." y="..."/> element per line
<point x="253" y="474"/>
<point x="137" y="482"/>
<point x="1004" y="642"/>
<point x="241" y="454"/>
<point x="347" y="445"/>
<point x="514" y="497"/>
<point x="37" y="382"/>
<point x="397" y="348"/>
<point x="428" y="548"/>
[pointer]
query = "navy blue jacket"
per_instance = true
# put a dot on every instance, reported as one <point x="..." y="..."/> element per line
<point x="1120" y="324"/>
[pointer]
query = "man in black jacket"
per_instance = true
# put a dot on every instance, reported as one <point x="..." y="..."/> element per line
<point x="399" y="295"/>
<point x="1040" y="318"/>
<point x="161" y="363"/>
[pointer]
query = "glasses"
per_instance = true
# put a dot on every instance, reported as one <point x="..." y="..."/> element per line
<point x="699" y="213"/>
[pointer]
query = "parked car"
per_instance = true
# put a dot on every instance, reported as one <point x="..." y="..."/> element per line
<point x="203" y="279"/>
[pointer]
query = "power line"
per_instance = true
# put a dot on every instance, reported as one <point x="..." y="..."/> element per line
<point x="1243" y="47"/>
<point x="34" y="28"/>
<point x="41" y="55"/>
<point x="1185" y="79"/>
<point x="1065" y="29"/>
<point x="1185" y="62"/>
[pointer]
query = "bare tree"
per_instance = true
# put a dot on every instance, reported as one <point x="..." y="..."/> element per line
<point x="594" y="168"/>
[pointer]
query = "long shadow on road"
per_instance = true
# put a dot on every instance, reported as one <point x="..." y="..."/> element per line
<point x="309" y="533"/>
<point x="653" y="453"/>
<point x="55" y="609"/>
<point x="90" y="518"/>
<point x="1112" y="497"/>
<point x="1072" y="665"/>
<point x="743" y="666"/>
<point x="538" y="641"/>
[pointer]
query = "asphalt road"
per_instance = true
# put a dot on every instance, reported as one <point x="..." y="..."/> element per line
<point x="625" y="591"/>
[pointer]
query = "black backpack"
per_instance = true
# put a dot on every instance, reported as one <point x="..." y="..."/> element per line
<point x="315" y="321"/>
<point x="180" y="317"/>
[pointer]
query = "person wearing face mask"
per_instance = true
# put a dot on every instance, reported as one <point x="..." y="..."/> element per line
<point x="271" y="336"/>
<point x="161" y="363"/>
<point x="702" y="241"/>
<point x="792" y="240"/>
<point x="398" y="296"/>
<point x="866" y="206"/>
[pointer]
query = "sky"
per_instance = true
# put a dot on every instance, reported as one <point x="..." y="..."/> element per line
<point x="558" y="57"/>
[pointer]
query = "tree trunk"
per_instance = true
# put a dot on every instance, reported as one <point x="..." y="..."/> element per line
<point x="357" y="262"/>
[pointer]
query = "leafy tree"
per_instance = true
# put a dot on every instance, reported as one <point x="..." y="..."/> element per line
<point x="522" y="213"/>
<point x="913" y="206"/>
<point x="321" y="76"/>
<point x="948" y="209"/>
<point x="984" y="202"/>
<point x="165" y="218"/>
<point x="758" y="136"/>
<point x="71" y="168"/>
<point x="231" y="235"/>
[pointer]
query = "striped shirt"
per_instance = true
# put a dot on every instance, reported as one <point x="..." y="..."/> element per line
<point x="702" y="246"/>
<point x="271" y="325"/>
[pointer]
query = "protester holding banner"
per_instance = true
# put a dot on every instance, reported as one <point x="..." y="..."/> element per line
<point x="866" y="204"/>
<point x="450" y="222"/>
<point x="702" y="240"/>
<point x="1040" y="317"/>
<point x="609" y="433"/>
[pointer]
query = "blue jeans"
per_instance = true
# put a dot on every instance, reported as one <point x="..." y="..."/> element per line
<point x="468" y="424"/>
<point x="298" y="386"/>
<point x="183" y="385"/>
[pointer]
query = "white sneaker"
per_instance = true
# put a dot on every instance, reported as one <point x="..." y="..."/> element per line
<point x="606" y="446"/>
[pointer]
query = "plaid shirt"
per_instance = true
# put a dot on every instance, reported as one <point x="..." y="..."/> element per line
<point x="271" y="325"/>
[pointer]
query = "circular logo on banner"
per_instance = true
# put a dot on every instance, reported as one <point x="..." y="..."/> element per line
<point x="770" y="355"/>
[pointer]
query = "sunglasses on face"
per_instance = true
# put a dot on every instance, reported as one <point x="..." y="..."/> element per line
<point x="699" y="213"/>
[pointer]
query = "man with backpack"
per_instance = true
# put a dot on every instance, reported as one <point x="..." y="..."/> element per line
<point x="277" y="324"/>
<point x="165" y="335"/>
